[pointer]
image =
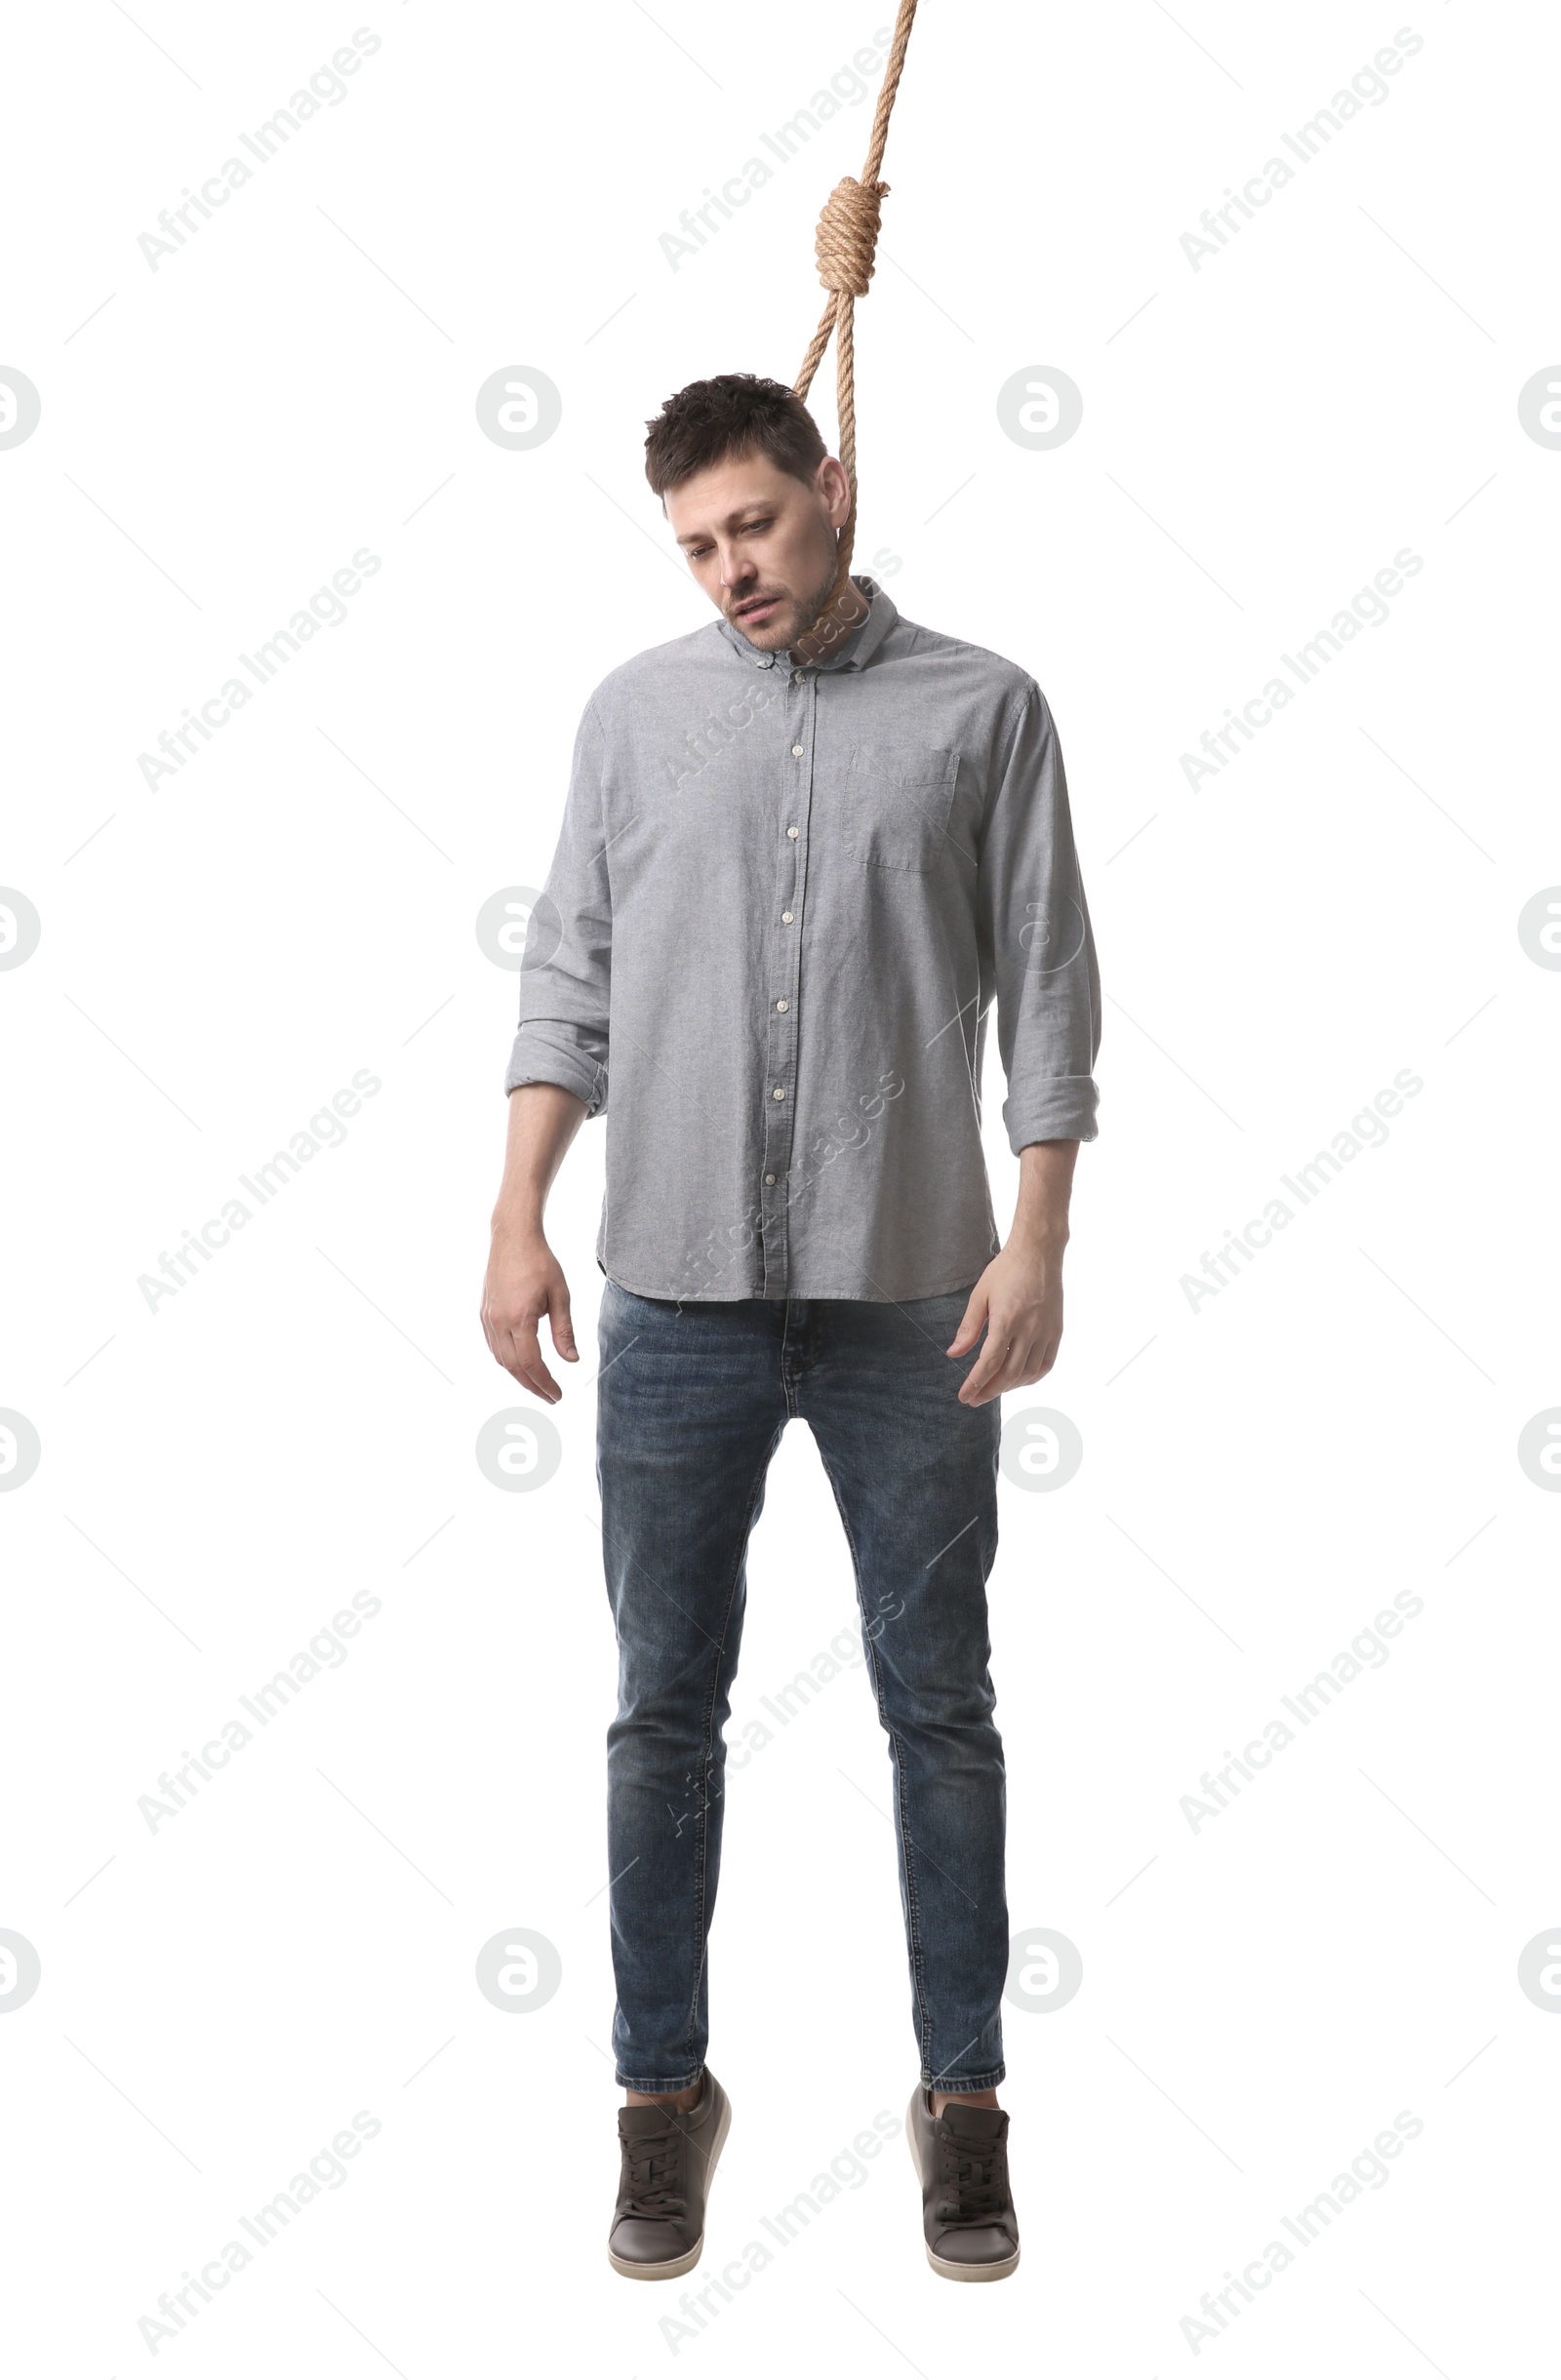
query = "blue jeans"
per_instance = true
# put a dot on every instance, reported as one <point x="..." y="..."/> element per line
<point x="692" y="1401"/>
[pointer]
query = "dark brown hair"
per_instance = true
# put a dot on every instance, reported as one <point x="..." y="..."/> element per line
<point x="736" y="413"/>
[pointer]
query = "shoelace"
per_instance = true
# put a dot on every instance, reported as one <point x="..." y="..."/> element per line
<point x="973" y="2176"/>
<point x="653" y="2166"/>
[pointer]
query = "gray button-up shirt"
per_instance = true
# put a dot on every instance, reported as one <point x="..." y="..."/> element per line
<point x="782" y="902"/>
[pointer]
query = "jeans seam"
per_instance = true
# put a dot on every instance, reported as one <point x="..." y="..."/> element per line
<point x="701" y="1925"/>
<point x="912" y="1900"/>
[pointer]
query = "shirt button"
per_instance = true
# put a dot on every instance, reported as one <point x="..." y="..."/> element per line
<point x="782" y="1005"/>
<point x="778" y="1092"/>
<point x="786" y="917"/>
<point x="792" y="832"/>
<point x="796" y="751"/>
<point x="769" y="1177"/>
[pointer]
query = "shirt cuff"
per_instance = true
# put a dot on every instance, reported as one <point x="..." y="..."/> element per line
<point x="1064" y="1108"/>
<point x="537" y="1058"/>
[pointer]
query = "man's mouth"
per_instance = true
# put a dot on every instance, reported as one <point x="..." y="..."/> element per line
<point x="756" y="607"/>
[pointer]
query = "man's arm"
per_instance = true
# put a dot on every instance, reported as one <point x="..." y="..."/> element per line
<point x="1019" y="1299"/>
<point x="525" y="1279"/>
<point x="1034" y="925"/>
<point x="557" y="1074"/>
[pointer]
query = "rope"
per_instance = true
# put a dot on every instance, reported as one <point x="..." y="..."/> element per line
<point x="845" y="244"/>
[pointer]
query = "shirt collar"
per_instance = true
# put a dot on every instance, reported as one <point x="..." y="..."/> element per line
<point x="855" y="652"/>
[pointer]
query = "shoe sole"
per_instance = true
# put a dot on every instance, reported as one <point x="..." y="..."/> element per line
<point x="670" y="2267"/>
<point x="941" y="2265"/>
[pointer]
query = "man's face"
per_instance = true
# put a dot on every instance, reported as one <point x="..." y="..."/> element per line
<point x="761" y="543"/>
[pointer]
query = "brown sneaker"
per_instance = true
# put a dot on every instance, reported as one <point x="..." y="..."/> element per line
<point x="669" y="2156"/>
<point x="968" y="2213"/>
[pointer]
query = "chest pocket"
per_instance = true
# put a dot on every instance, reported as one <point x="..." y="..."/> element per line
<point x="896" y="805"/>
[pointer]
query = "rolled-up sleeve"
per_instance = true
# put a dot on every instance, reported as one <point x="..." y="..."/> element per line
<point x="1033" y="924"/>
<point x="567" y="966"/>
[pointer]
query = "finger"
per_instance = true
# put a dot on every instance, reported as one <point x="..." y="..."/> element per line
<point x="539" y="1381"/>
<point x="980" y="1382"/>
<point x="971" y="1324"/>
<point x="529" y="1368"/>
<point x="1041" y="1358"/>
<point x="561" y="1325"/>
<point x="1048" y="1357"/>
<point x="1036" y="1364"/>
<point x="1001" y="1368"/>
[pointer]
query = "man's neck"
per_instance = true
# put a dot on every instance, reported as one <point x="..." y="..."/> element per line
<point x="847" y="611"/>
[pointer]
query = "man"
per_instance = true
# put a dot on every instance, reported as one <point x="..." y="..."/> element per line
<point x="804" y="849"/>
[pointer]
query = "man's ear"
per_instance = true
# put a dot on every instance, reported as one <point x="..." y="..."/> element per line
<point x="834" y="487"/>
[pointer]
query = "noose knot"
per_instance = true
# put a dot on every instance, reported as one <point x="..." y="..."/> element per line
<point x="844" y="244"/>
<point x="847" y="234"/>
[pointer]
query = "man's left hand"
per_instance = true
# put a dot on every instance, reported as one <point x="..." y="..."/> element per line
<point x="1019" y="1299"/>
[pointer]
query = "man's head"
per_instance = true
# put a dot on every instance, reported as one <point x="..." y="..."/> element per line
<point x="754" y="502"/>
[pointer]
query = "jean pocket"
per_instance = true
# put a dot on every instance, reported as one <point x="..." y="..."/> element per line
<point x="896" y="805"/>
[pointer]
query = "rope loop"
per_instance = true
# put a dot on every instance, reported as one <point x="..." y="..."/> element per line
<point x="847" y="234"/>
<point x="845" y="244"/>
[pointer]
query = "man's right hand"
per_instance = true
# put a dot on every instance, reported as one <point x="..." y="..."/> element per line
<point x="523" y="1281"/>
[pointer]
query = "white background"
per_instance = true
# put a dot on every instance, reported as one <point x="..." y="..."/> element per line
<point x="219" y="956"/>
